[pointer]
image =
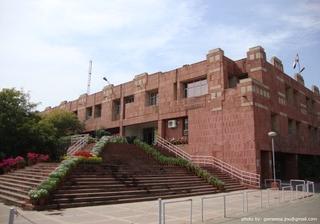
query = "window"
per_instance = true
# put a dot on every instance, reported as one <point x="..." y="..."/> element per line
<point x="116" y="109"/>
<point x="75" y="113"/>
<point x="274" y="122"/>
<point x="291" y="127"/>
<point x="185" y="126"/>
<point x="97" y="110"/>
<point x="310" y="104"/>
<point x="88" y="113"/>
<point x="298" y="125"/>
<point x="129" y="99"/>
<point x="233" y="80"/>
<point x="152" y="98"/>
<point x="288" y="94"/>
<point x="175" y="90"/>
<point x="196" y="88"/>
<point x="295" y="97"/>
<point x="315" y="134"/>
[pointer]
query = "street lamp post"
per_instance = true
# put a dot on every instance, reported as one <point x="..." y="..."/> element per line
<point x="273" y="134"/>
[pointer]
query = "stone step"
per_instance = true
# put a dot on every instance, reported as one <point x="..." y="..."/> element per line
<point x="120" y="185"/>
<point x="132" y="192"/>
<point x="37" y="170"/>
<point x="14" y="189"/>
<point x="28" y="183"/>
<point x="137" y="178"/>
<point x="122" y="200"/>
<point x="12" y="177"/>
<point x="31" y="176"/>
<point x="128" y="181"/>
<point x="19" y="186"/>
<point x="8" y="200"/>
<point x="14" y="194"/>
<point x="88" y="198"/>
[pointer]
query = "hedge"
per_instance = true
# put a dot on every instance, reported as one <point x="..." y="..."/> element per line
<point x="99" y="146"/>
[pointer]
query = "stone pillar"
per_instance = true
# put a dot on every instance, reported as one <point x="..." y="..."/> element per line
<point x="256" y="62"/>
<point x="277" y="63"/>
<point x="217" y="77"/>
<point x="298" y="77"/>
<point x="161" y="128"/>
<point x="315" y="90"/>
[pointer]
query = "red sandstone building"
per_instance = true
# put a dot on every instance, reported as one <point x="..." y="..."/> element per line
<point x="217" y="107"/>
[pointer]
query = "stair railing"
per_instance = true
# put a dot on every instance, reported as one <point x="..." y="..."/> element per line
<point x="77" y="143"/>
<point x="245" y="177"/>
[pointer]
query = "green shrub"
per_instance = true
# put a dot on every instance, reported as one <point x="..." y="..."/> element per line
<point x="205" y="175"/>
<point x="38" y="194"/>
<point x="99" y="146"/>
<point x="91" y="160"/>
<point x="101" y="132"/>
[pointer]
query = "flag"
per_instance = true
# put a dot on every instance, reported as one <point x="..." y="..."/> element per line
<point x="296" y="61"/>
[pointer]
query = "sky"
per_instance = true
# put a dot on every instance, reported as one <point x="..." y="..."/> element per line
<point x="46" y="45"/>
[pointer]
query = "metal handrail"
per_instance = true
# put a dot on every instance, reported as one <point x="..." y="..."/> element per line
<point x="245" y="177"/>
<point x="82" y="140"/>
<point x="75" y="138"/>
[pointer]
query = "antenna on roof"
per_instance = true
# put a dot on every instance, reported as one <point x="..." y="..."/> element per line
<point x="89" y="77"/>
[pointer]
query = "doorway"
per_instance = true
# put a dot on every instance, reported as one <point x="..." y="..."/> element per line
<point x="148" y="135"/>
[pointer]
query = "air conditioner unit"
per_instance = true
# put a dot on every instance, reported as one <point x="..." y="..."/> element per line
<point x="172" y="123"/>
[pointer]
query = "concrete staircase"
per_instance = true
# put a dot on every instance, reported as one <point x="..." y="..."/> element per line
<point x="127" y="175"/>
<point x="14" y="186"/>
<point x="230" y="183"/>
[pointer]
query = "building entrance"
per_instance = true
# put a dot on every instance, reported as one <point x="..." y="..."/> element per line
<point x="148" y="135"/>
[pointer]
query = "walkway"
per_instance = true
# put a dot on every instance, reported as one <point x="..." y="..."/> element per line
<point x="147" y="212"/>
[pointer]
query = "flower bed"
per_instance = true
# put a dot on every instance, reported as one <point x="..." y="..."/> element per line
<point x="33" y="158"/>
<point x="11" y="163"/>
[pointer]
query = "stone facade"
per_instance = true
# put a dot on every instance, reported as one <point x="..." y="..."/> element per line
<point x="242" y="101"/>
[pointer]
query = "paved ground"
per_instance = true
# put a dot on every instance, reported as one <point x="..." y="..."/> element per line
<point x="147" y="212"/>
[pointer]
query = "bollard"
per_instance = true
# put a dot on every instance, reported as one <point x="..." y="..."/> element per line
<point x="268" y="197"/>
<point x="247" y="201"/>
<point x="11" y="215"/>
<point x="243" y="196"/>
<point x="191" y="212"/>
<point x="224" y="206"/>
<point x="202" y="209"/>
<point x="160" y="211"/>
<point x="261" y="197"/>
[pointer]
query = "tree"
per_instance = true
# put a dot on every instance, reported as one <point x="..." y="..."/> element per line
<point x="16" y="113"/>
<point x="22" y="129"/>
<point x="63" y="122"/>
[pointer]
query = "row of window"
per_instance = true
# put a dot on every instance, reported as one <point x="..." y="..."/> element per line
<point x="293" y="127"/>
<point x="292" y="97"/>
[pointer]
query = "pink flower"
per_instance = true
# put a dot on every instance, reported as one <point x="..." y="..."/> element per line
<point x="19" y="159"/>
<point x="43" y="157"/>
<point x="32" y="156"/>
